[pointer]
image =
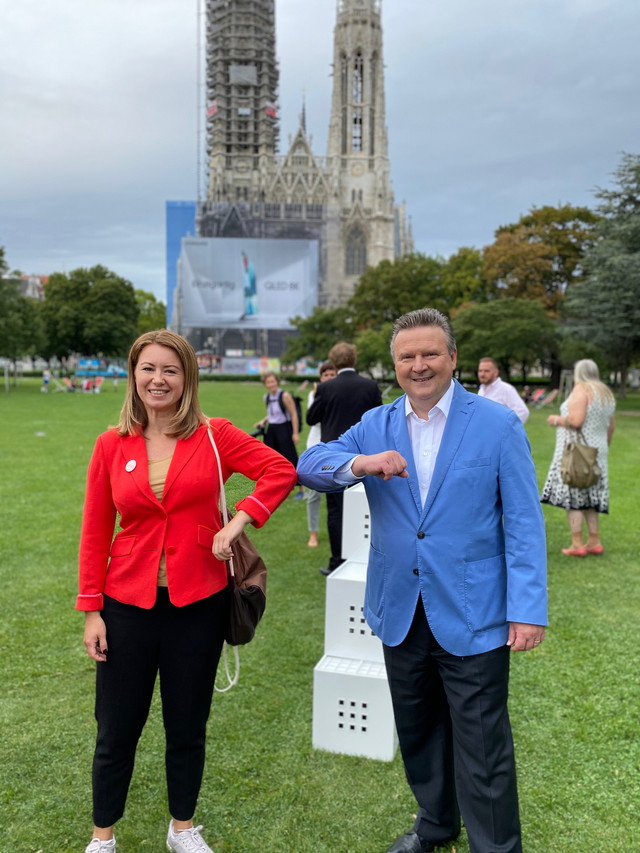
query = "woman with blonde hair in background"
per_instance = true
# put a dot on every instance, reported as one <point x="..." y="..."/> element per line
<point x="590" y="407"/>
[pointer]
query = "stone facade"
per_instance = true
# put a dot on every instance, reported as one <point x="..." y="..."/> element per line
<point x="344" y="200"/>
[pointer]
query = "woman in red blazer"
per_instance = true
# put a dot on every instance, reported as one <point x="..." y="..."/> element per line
<point x="155" y="595"/>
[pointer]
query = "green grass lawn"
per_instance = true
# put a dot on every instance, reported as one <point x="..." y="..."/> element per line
<point x="574" y="703"/>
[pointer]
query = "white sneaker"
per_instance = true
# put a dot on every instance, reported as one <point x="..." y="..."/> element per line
<point x="187" y="841"/>
<point x="98" y="846"/>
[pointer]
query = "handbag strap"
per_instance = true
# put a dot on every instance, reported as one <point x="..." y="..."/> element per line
<point x="231" y="679"/>
<point x="223" y="500"/>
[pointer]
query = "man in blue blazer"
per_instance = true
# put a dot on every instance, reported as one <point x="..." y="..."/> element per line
<point x="456" y="580"/>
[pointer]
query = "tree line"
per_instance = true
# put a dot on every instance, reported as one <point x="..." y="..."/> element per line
<point x="89" y="311"/>
<point x="560" y="284"/>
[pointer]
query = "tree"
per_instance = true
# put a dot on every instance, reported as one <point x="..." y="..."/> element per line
<point x="111" y="315"/>
<point x="605" y="309"/>
<point x="512" y="331"/>
<point x="386" y="292"/>
<point x="11" y="313"/>
<point x="20" y="328"/>
<point x="152" y="314"/>
<point x="542" y="254"/>
<point x="372" y="347"/>
<point x="464" y="278"/>
<point x="317" y="333"/>
<point x="392" y="288"/>
<point x="89" y="311"/>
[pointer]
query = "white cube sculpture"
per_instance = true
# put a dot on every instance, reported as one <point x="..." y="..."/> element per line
<point x="352" y="712"/>
<point x="356" y="525"/>
<point x="346" y="634"/>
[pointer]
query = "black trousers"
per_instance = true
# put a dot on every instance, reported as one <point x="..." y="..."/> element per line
<point x="455" y="738"/>
<point x="280" y="437"/>
<point x="183" y="645"/>
<point x="335" y="504"/>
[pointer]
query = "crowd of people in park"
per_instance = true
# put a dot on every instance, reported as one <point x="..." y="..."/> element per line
<point x="456" y="578"/>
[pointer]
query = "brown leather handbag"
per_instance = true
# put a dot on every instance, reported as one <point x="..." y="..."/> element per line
<point x="579" y="468"/>
<point x="247" y="576"/>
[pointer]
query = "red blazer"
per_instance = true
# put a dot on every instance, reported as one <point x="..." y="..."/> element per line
<point x="183" y="524"/>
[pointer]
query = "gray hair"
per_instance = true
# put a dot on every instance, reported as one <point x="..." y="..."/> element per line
<point x="586" y="370"/>
<point x="420" y="318"/>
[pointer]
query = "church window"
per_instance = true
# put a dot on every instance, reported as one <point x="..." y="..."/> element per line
<point x="293" y="211"/>
<point x="356" y="130"/>
<point x="271" y="211"/>
<point x="358" y="66"/>
<point x="356" y="126"/>
<point x="344" y="91"/>
<point x="372" y="104"/>
<point x="356" y="256"/>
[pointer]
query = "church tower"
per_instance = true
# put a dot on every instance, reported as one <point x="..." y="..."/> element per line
<point x="242" y="90"/>
<point x="344" y="201"/>
<point x="357" y="150"/>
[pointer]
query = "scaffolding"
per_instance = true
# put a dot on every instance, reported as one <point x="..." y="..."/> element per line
<point x="241" y="97"/>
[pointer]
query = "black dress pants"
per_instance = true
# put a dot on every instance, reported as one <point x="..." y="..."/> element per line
<point x="183" y="645"/>
<point x="455" y="738"/>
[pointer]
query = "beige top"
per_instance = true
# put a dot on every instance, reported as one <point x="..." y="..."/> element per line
<point x="158" y="469"/>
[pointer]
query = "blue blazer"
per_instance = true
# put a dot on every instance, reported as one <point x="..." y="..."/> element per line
<point x="475" y="552"/>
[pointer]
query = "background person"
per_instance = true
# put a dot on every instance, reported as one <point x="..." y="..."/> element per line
<point x="155" y="597"/>
<point x="493" y="388"/>
<point x="590" y="407"/>
<point x="338" y="405"/>
<point x="281" y="421"/>
<point x="326" y="371"/>
<point x="456" y="579"/>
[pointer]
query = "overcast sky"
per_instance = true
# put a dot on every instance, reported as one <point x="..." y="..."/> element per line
<point x="493" y="106"/>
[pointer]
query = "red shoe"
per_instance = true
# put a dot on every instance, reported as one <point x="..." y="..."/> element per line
<point x="575" y="552"/>
<point x="597" y="549"/>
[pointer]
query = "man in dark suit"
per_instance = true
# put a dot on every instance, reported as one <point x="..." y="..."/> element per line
<point x="338" y="405"/>
<point x="456" y="580"/>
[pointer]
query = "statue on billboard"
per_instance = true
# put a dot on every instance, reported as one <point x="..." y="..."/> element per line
<point x="250" y="289"/>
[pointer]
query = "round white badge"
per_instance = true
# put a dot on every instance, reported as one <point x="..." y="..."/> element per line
<point x="131" y="464"/>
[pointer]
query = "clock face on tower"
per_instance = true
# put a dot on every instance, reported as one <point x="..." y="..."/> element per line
<point x="357" y="168"/>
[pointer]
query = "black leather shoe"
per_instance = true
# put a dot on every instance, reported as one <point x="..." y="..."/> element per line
<point x="411" y="842"/>
<point x="325" y="571"/>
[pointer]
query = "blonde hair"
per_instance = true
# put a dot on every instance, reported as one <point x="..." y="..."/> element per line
<point x="189" y="416"/>
<point x="586" y="373"/>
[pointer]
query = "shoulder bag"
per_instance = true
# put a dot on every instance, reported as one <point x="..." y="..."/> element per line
<point x="578" y="467"/>
<point x="247" y="575"/>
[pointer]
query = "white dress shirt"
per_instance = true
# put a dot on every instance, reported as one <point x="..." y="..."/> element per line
<point x="505" y="394"/>
<point x="425" y="436"/>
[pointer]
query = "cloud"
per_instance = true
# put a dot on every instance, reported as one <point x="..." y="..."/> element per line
<point x="491" y="108"/>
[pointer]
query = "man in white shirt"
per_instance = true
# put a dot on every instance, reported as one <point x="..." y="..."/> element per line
<point x="493" y="388"/>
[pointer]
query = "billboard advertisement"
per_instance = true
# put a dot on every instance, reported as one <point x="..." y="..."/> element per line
<point x="239" y="283"/>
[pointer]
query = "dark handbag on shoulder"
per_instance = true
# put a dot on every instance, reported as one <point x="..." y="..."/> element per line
<point x="247" y="576"/>
<point x="578" y="466"/>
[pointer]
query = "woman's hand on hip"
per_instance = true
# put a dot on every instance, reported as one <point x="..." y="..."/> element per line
<point x="95" y="635"/>
<point x="224" y="539"/>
